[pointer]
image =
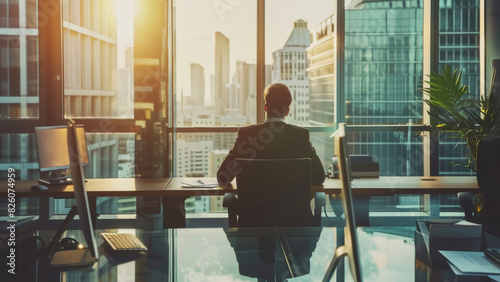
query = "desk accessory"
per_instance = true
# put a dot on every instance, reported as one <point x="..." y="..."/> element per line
<point x="433" y="236"/>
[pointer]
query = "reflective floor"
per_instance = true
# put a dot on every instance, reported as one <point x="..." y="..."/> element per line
<point x="216" y="254"/>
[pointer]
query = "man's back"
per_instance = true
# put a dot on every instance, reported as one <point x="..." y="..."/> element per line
<point x="271" y="140"/>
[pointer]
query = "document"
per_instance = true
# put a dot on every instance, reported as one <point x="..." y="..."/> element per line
<point x="198" y="184"/>
<point x="471" y="263"/>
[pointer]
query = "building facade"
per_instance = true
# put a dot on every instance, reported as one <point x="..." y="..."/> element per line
<point x="289" y="68"/>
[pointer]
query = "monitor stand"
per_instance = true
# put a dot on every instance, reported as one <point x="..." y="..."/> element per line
<point x="340" y="253"/>
<point x="57" y="177"/>
<point x="68" y="258"/>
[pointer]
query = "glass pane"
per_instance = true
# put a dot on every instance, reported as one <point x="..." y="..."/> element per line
<point x="299" y="48"/>
<point x="98" y="42"/>
<point x="398" y="154"/>
<point x="200" y="155"/>
<point x="215" y="62"/>
<point x="459" y="47"/>
<point x="323" y="144"/>
<point x="18" y="60"/>
<point x="17" y="151"/>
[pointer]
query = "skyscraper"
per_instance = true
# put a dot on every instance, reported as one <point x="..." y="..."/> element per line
<point x="221" y="74"/>
<point x="289" y="68"/>
<point x="198" y="85"/>
<point x="383" y="77"/>
<point x="323" y="98"/>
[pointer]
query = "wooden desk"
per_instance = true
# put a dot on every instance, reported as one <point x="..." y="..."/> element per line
<point x="174" y="196"/>
<point x="171" y="187"/>
<point x="391" y="185"/>
<point x="99" y="187"/>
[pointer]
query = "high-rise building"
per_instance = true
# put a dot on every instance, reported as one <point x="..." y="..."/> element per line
<point x="193" y="161"/>
<point x="322" y="97"/>
<point x="19" y="88"/>
<point x="321" y="74"/>
<point x="383" y="77"/>
<point x="90" y="60"/>
<point x="289" y="68"/>
<point x="198" y="84"/>
<point x="458" y="47"/>
<point x="193" y="158"/>
<point x="221" y="74"/>
<point x="247" y="79"/>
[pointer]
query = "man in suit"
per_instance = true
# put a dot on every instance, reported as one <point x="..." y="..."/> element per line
<point x="274" y="139"/>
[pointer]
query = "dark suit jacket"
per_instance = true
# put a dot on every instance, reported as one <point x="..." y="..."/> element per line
<point x="271" y="140"/>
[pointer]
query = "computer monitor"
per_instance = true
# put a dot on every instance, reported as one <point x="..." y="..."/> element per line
<point x="79" y="257"/>
<point x="53" y="155"/>
<point x="350" y="247"/>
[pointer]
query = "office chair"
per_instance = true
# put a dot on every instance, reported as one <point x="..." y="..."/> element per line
<point x="273" y="193"/>
<point x="487" y="169"/>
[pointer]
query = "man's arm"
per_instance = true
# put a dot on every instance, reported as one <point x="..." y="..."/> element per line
<point x="228" y="170"/>
<point x="318" y="172"/>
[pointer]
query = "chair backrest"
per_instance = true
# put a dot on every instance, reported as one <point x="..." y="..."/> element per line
<point x="274" y="192"/>
<point x="488" y="170"/>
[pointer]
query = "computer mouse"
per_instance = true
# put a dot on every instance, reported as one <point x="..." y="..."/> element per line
<point x="67" y="243"/>
<point x="38" y="187"/>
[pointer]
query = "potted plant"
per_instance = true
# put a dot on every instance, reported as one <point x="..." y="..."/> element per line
<point x="471" y="119"/>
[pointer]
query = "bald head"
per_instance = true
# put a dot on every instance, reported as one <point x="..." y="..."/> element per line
<point x="278" y="99"/>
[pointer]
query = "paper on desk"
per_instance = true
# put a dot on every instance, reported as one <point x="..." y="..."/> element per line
<point x="470" y="263"/>
<point x="198" y="185"/>
<point x="460" y="273"/>
<point x="466" y="223"/>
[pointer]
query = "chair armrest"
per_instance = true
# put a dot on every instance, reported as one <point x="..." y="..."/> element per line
<point x="229" y="200"/>
<point x="319" y="199"/>
<point x="465" y="200"/>
<point x="319" y="203"/>
<point x="231" y="203"/>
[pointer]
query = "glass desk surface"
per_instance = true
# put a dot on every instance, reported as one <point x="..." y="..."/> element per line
<point x="291" y="254"/>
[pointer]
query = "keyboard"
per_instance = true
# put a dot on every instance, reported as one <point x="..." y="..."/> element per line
<point x="123" y="242"/>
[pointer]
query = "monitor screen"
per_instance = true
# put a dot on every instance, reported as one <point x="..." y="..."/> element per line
<point x="52" y="147"/>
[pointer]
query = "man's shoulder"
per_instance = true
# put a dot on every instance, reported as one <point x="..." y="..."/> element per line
<point x="288" y="127"/>
<point x="297" y="129"/>
<point x="247" y="129"/>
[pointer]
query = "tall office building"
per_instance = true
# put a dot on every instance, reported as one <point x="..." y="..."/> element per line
<point x="383" y="74"/>
<point x="321" y="74"/>
<point x="19" y="89"/>
<point x="221" y="74"/>
<point x="247" y="81"/>
<point x="247" y="77"/>
<point x="233" y="114"/>
<point x="90" y="59"/>
<point x="459" y="47"/>
<point x="289" y="68"/>
<point x="383" y="77"/>
<point x="193" y="161"/>
<point x="198" y="84"/>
